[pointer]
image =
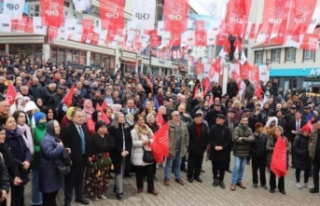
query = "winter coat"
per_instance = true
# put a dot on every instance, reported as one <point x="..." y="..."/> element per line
<point x="20" y="152"/>
<point x="220" y="135"/>
<point x="35" y="91"/>
<point x="172" y="139"/>
<point x="51" y="156"/>
<point x="9" y="162"/>
<point x="38" y="134"/>
<point x="232" y="89"/>
<point x="301" y="159"/>
<point x="4" y="177"/>
<point x="117" y="134"/>
<point x="313" y="144"/>
<point x="212" y="116"/>
<point x="197" y="145"/>
<point x="137" y="148"/>
<point x="270" y="147"/>
<point x="258" y="146"/>
<point x="241" y="147"/>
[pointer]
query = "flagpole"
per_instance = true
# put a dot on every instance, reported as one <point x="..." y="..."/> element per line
<point x="155" y="26"/>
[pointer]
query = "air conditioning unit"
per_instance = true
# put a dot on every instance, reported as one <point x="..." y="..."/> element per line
<point x="31" y="9"/>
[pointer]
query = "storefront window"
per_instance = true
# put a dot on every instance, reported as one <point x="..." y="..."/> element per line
<point x="60" y="58"/>
<point x="2" y="49"/>
<point x="26" y="51"/>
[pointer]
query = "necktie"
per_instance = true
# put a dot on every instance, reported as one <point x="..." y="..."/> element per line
<point x="130" y="111"/>
<point x="231" y="126"/>
<point x="83" y="145"/>
<point x="298" y="126"/>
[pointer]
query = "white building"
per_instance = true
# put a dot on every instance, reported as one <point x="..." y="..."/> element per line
<point x="295" y="68"/>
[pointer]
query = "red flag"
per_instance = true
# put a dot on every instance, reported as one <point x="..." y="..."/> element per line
<point x="104" y="105"/>
<point x="104" y="117"/>
<point x="112" y="14"/>
<point x="52" y="12"/>
<point x="237" y="13"/>
<point x="11" y="93"/>
<point x="200" y="38"/>
<point x="159" y="119"/>
<point x="175" y="15"/>
<point x="90" y="125"/>
<point x="206" y="86"/>
<point x="52" y="32"/>
<point x="160" y="143"/>
<point x="301" y="14"/>
<point x="29" y="26"/>
<point x="245" y="70"/>
<point x="67" y="99"/>
<point x="279" y="158"/>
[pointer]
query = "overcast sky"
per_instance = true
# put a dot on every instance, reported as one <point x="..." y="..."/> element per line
<point x="214" y="8"/>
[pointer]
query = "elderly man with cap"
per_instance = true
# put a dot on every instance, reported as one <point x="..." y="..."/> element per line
<point x="198" y="135"/>
<point x="220" y="140"/>
<point x="308" y="114"/>
<point x="291" y="115"/>
<point x="242" y="139"/>
<point x="57" y="97"/>
<point x="212" y="115"/>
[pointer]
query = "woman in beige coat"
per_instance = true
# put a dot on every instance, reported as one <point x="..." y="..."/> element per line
<point x="141" y="138"/>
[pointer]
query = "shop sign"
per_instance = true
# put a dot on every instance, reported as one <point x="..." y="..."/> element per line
<point x="314" y="72"/>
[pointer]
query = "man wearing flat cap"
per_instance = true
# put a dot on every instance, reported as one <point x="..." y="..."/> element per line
<point x="198" y="141"/>
<point x="220" y="140"/>
<point x="212" y="115"/>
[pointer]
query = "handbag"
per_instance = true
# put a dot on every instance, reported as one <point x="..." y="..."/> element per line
<point x="65" y="167"/>
<point x="147" y="156"/>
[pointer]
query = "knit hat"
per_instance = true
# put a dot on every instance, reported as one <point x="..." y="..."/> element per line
<point x="99" y="124"/>
<point x="38" y="116"/>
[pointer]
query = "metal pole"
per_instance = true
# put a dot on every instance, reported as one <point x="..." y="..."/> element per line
<point x="155" y="26"/>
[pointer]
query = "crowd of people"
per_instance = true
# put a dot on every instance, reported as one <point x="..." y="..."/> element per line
<point x="77" y="145"/>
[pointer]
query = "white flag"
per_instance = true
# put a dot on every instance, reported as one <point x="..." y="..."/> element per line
<point x="243" y="58"/>
<point x="69" y="27"/>
<point x="144" y="13"/>
<point x="236" y="53"/>
<point x="13" y="8"/>
<point x="222" y="54"/>
<point x="38" y="28"/>
<point x="79" y="5"/>
<point x="144" y="39"/>
<point x="5" y="23"/>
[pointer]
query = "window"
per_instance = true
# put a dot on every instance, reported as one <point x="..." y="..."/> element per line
<point x="275" y="55"/>
<point x="308" y="55"/>
<point x="66" y="4"/>
<point x="290" y="54"/>
<point x="258" y="57"/>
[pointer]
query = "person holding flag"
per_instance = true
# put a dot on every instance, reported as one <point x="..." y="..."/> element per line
<point x="277" y="158"/>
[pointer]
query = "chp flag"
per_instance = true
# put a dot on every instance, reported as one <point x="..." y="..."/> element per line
<point x="160" y="143"/>
<point x="13" y="8"/>
<point x="52" y="12"/>
<point x="144" y="13"/>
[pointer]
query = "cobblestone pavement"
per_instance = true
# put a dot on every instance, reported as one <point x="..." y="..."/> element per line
<point x="205" y="194"/>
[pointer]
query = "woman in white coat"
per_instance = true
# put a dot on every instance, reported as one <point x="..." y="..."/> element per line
<point x="141" y="138"/>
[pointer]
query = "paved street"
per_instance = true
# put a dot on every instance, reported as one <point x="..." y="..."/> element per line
<point x="205" y="194"/>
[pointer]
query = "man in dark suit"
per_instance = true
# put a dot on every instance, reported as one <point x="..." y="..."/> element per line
<point x="198" y="135"/>
<point x="296" y="125"/>
<point x="75" y="136"/>
<point x="231" y="123"/>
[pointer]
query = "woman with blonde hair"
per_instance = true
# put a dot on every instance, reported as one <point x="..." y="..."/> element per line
<point x="277" y="134"/>
<point x="236" y="106"/>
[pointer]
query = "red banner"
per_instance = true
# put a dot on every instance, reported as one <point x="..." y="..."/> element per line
<point x="275" y="11"/>
<point x="112" y="14"/>
<point x="29" y="26"/>
<point x="237" y="15"/>
<point x="175" y="15"/>
<point x="52" y="12"/>
<point x="301" y="14"/>
<point x="159" y="119"/>
<point x="160" y="144"/>
<point x="67" y="99"/>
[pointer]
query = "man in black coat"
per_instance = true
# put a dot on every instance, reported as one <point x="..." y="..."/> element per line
<point x="76" y="137"/>
<point x="232" y="89"/>
<point x="220" y="139"/>
<point x="259" y="156"/>
<point x="216" y="90"/>
<point x="4" y="181"/>
<point x="231" y="123"/>
<point x="198" y="141"/>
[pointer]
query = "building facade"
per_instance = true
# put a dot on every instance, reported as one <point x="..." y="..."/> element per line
<point x="295" y="68"/>
<point x="77" y="54"/>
